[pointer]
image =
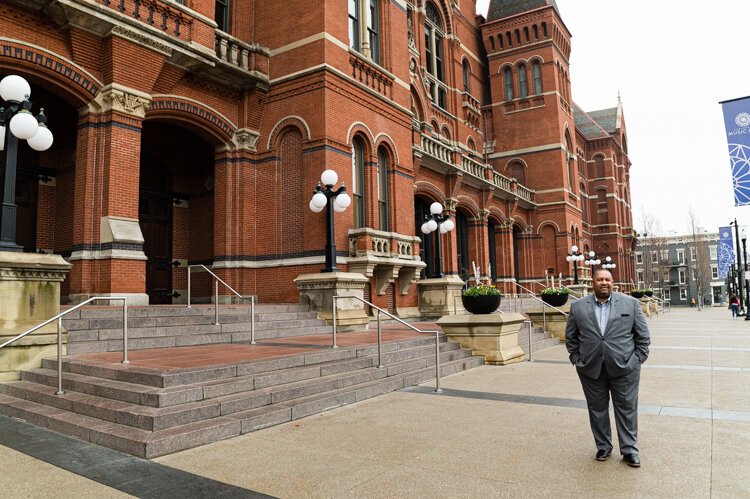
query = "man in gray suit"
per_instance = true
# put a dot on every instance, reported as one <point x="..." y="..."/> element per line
<point x="607" y="338"/>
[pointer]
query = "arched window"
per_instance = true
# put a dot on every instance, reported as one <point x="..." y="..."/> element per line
<point x="500" y="41"/>
<point x="383" y="189"/>
<point x="358" y="182"/>
<point x="569" y="159"/>
<point x="427" y="244"/>
<point x="221" y="14"/>
<point x="467" y="76"/>
<point x="599" y="166"/>
<point x="433" y="34"/>
<point x="526" y="34"/>
<point x="536" y="32"/>
<point x="492" y="43"/>
<point x="536" y="71"/>
<point x="518" y="37"/>
<point x="471" y="145"/>
<point x="544" y="30"/>
<point x="368" y="32"/>
<point x="517" y="171"/>
<point x="584" y="203"/>
<point x="508" y="75"/>
<point x="523" y="87"/>
<point x="509" y="38"/>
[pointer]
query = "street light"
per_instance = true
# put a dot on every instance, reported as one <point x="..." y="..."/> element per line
<point x="432" y="223"/>
<point x="592" y="260"/>
<point x="17" y="122"/>
<point x="575" y="257"/>
<point x="337" y="200"/>
<point x="609" y="264"/>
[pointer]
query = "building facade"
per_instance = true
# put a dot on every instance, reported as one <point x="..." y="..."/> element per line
<point x="682" y="269"/>
<point x="194" y="132"/>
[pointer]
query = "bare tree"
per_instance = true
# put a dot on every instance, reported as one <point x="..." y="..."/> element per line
<point x="701" y="265"/>
<point x="652" y="242"/>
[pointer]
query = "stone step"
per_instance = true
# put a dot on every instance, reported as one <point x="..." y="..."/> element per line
<point x="187" y="434"/>
<point x="115" y="312"/>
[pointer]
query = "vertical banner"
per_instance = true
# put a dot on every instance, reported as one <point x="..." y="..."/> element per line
<point x="725" y="251"/>
<point x="737" y="124"/>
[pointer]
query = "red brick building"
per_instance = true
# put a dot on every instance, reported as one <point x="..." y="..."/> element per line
<point x="194" y="132"/>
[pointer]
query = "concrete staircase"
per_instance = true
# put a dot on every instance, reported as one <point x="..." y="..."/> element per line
<point x="540" y="340"/>
<point x="99" y="329"/>
<point x="150" y="412"/>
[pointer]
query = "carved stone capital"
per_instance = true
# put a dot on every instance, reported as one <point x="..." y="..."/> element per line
<point x="245" y="139"/>
<point x="123" y="100"/>
<point x="451" y="204"/>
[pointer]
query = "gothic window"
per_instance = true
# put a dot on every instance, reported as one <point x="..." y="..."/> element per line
<point x="221" y="15"/>
<point x="383" y="189"/>
<point x="523" y="88"/>
<point x="467" y="76"/>
<point x="358" y="182"/>
<point x="508" y="75"/>
<point x="433" y="34"/>
<point x="584" y="203"/>
<point x="599" y="166"/>
<point x="367" y="31"/>
<point x="536" y="71"/>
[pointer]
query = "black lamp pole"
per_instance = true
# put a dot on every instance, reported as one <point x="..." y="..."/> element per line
<point x="574" y="256"/>
<point x="439" y="220"/>
<point x="739" y="264"/>
<point x="8" y="217"/>
<point x="330" y="195"/>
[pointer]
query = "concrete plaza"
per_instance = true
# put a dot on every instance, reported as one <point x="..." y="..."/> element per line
<point x="516" y="431"/>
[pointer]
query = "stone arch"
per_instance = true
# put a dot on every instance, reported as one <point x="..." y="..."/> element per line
<point x="471" y="144"/>
<point x="417" y="105"/>
<point x="548" y="223"/>
<point x="194" y="115"/>
<point x="428" y="190"/>
<point x="497" y="215"/>
<point x="445" y="11"/>
<point x="74" y="84"/>
<point x="385" y="140"/>
<point x="469" y="205"/>
<point x="360" y="128"/>
<point x="292" y="120"/>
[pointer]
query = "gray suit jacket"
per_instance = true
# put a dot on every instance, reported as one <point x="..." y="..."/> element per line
<point x="622" y="347"/>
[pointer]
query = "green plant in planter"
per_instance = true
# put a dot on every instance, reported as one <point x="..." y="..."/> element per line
<point x="637" y="293"/>
<point x="555" y="291"/>
<point x="481" y="290"/>
<point x="648" y="292"/>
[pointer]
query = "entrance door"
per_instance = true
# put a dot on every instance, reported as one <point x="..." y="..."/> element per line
<point x="155" y="216"/>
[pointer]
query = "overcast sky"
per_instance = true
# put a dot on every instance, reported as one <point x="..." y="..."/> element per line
<point x="672" y="62"/>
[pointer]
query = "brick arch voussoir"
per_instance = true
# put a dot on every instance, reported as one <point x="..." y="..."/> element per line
<point x="496" y="215"/>
<point x="75" y="85"/>
<point x="210" y="123"/>
<point x="428" y="190"/>
<point x="359" y="128"/>
<point x="383" y="139"/>
<point x="548" y="223"/>
<point x="282" y="125"/>
<point x="469" y="205"/>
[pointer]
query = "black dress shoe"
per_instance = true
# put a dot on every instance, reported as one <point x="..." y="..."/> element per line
<point x="632" y="460"/>
<point x="603" y="455"/>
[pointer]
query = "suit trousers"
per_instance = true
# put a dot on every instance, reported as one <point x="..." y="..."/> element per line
<point x="624" y="390"/>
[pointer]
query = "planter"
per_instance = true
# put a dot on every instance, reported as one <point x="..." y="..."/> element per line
<point x="636" y="294"/>
<point x="649" y="293"/>
<point x="485" y="304"/>
<point x="555" y="300"/>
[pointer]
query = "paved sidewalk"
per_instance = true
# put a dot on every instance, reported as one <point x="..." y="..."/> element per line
<point x="516" y="431"/>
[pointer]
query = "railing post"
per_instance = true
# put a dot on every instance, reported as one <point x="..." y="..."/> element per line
<point x="437" y="362"/>
<point x="59" y="358"/>
<point x="188" y="298"/>
<point x="125" y="331"/>
<point x="252" y="321"/>
<point x="544" y="317"/>
<point x="334" y="321"/>
<point x="216" y="302"/>
<point x="529" y="322"/>
<point x="380" y="339"/>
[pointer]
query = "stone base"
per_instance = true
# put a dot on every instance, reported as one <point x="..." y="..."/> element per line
<point x="29" y="295"/>
<point x="555" y="321"/>
<point x="649" y="306"/>
<point x="408" y="312"/>
<point x="317" y="292"/>
<point x="495" y="336"/>
<point x="440" y="296"/>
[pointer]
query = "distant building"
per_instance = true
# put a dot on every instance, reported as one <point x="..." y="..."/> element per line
<point x="682" y="269"/>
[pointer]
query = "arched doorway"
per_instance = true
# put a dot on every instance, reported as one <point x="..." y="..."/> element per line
<point x="516" y="265"/>
<point x="462" y="245"/>
<point x="491" y="235"/>
<point x="176" y="209"/>
<point x="427" y="241"/>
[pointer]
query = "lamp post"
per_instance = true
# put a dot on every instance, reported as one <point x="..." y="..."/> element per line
<point x="743" y="236"/>
<point x="592" y="261"/>
<point x="739" y="265"/>
<point x="334" y="200"/>
<point x="575" y="257"/>
<point x="609" y="264"/>
<point x="17" y="122"/>
<point x="432" y="223"/>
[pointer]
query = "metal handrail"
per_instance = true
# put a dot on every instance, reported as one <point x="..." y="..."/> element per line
<point x="218" y="280"/>
<point x="59" y="317"/>
<point x="544" y="307"/>
<point x="380" y="335"/>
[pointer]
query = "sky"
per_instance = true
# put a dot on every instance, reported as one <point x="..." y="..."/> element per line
<point x="672" y="63"/>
